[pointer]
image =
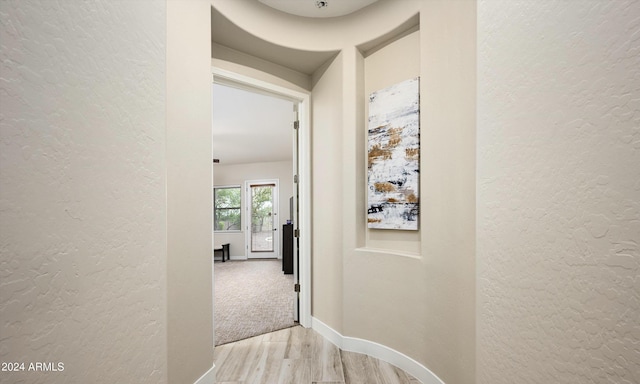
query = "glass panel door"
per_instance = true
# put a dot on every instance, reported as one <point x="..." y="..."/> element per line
<point x="263" y="221"/>
<point x="262" y="218"/>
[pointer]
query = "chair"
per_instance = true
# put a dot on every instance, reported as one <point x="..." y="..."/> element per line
<point x="224" y="249"/>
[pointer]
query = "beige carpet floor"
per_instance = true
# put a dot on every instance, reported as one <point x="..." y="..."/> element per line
<point x="252" y="297"/>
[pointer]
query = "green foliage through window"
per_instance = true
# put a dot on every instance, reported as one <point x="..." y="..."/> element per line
<point x="226" y="208"/>
<point x="261" y="207"/>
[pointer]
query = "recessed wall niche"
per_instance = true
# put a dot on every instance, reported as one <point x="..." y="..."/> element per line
<point x="389" y="60"/>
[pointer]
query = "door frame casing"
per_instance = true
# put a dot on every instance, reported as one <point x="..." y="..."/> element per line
<point x="303" y="99"/>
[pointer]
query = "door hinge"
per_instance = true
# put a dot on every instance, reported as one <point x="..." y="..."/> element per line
<point x="296" y="232"/>
<point x="296" y="287"/>
<point x="295" y="178"/>
<point x="296" y="124"/>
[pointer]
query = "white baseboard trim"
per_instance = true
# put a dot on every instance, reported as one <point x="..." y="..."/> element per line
<point x="240" y="258"/>
<point x="209" y="377"/>
<point x="235" y="258"/>
<point x="378" y="351"/>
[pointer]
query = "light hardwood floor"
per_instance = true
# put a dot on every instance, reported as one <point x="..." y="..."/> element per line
<point x="299" y="356"/>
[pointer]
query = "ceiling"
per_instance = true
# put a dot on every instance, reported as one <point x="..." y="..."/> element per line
<point x="250" y="127"/>
<point x="317" y="8"/>
<point x="224" y="32"/>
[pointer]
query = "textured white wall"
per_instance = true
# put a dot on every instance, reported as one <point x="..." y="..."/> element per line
<point x="558" y="192"/>
<point x="82" y="196"/>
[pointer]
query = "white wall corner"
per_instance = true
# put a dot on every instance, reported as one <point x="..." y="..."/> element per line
<point x="378" y="351"/>
<point x="209" y="377"/>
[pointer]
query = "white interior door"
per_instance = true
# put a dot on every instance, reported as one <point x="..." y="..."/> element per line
<point x="262" y="219"/>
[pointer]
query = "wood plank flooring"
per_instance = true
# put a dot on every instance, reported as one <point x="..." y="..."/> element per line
<point x="299" y="356"/>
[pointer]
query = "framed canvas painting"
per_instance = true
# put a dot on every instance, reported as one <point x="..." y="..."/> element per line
<point x="394" y="157"/>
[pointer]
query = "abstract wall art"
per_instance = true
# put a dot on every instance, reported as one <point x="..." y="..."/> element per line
<point x="394" y="157"/>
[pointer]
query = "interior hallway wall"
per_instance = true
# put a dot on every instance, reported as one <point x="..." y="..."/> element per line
<point x="558" y="192"/>
<point x="82" y="191"/>
<point x="189" y="191"/>
<point x="448" y="65"/>
<point x="393" y="256"/>
<point x="327" y="230"/>
<point x="237" y="174"/>
<point x="427" y="306"/>
<point x="415" y="293"/>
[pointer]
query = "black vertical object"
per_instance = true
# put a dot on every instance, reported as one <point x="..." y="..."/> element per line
<point x="287" y="249"/>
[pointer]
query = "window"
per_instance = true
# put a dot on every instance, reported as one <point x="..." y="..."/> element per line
<point x="226" y="208"/>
